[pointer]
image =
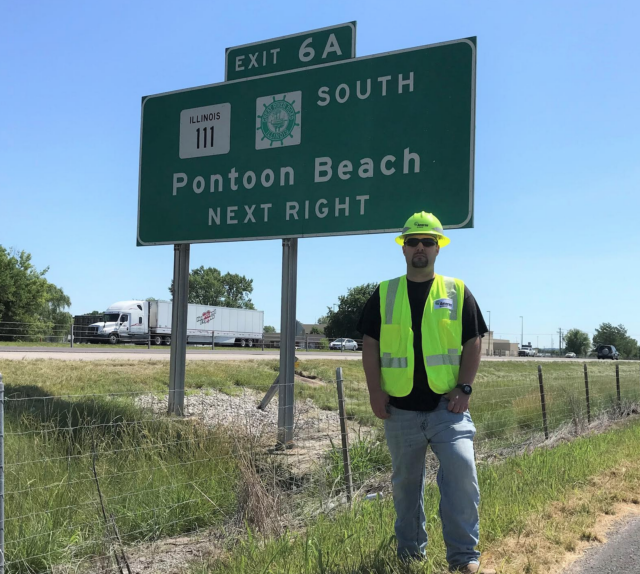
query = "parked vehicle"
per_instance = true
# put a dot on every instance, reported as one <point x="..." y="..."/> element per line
<point x="570" y="356"/>
<point x="607" y="352"/>
<point x="344" y="344"/>
<point x="137" y="321"/>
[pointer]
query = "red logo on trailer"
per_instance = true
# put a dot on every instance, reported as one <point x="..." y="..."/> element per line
<point x="206" y="317"/>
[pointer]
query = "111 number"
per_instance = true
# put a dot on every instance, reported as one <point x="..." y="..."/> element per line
<point x="204" y="137"/>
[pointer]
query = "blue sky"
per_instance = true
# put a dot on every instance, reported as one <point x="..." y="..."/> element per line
<point x="557" y="151"/>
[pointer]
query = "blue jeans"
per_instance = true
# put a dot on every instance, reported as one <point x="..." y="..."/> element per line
<point x="451" y="438"/>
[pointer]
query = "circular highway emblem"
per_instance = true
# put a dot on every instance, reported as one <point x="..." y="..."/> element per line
<point x="278" y="120"/>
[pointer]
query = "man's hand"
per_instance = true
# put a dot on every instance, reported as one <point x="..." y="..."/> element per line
<point x="379" y="400"/>
<point x="458" y="401"/>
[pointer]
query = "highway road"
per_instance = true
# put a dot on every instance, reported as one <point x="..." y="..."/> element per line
<point x="103" y="353"/>
<point x="162" y="354"/>
<point x="621" y="553"/>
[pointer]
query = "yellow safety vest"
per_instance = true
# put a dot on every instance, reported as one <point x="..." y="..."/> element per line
<point x="441" y="335"/>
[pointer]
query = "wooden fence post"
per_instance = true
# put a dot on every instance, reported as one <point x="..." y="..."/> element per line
<point x="586" y="390"/>
<point x="543" y="403"/>
<point x="348" y="483"/>
<point x="618" y="387"/>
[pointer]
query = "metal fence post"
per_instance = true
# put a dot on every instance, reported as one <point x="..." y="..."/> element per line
<point x="178" y="357"/>
<point x="618" y="387"/>
<point x="286" y="400"/>
<point x="1" y="475"/>
<point x="543" y="403"/>
<point x="346" y="461"/>
<point x="586" y="390"/>
<point x="71" y="340"/>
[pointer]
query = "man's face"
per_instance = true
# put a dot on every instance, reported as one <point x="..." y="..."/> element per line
<point x="420" y="256"/>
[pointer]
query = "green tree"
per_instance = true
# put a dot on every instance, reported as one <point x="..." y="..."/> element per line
<point x="608" y="334"/>
<point x="315" y="331"/>
<point x="207" y="286"/>
<point x="343" y="321"/>
<point x="29" y="304"/>
<point x="54" y="314"/>
<point x="577" y="341"/>
<point x="269" y="329"/>
<point x="323" y="320"/>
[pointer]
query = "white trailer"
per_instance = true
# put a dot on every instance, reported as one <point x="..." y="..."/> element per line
<point x="137" y="321"/>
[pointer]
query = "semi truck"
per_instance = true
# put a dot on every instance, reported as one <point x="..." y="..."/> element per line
<point x="139" y="321"/>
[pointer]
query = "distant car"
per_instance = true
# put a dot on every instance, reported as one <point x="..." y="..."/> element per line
<point x="607" y="352"/>
<point x="570" y="355"/>
<point x="345" y="344"/>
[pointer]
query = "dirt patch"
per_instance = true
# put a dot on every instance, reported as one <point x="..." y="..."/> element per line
<point x="168" y="556"/>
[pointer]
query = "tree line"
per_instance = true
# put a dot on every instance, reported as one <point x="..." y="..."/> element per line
<point x="30" y="306"/>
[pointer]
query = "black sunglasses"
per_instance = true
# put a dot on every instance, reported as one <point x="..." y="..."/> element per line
<point x="426" y="241"/>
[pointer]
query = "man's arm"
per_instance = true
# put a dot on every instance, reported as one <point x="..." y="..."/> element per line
<point x="469" y="363"/>
<point x="371" y="363"/>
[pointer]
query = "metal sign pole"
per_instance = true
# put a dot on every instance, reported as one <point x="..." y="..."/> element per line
<point x="287" y="342"/>
<point x="179" y="328"/>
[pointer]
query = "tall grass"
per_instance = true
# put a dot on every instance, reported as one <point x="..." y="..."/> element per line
<point x="157" y="477"/>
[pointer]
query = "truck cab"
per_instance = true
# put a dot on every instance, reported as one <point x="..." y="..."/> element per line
<point x="123" y="321"/>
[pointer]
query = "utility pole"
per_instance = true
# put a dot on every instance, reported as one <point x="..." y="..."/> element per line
<point x="489" y="351"/>
<point x="559" y="342"/>
<point x="521" y="331"/>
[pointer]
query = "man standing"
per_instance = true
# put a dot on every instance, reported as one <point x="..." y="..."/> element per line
<point x="421" y="351"/>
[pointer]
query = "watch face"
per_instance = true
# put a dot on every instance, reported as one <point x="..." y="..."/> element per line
<point x="466" y="389"/>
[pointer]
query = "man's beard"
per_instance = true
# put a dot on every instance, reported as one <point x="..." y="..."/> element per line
<point x="419" y="262"/>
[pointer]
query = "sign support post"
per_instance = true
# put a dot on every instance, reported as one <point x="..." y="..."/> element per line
<point x="179" y="328"/>
<point x="287" y="342"/>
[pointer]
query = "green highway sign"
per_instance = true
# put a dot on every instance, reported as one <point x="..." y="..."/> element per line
<point x="321" y="46"/>
<point x="344" y="148"/>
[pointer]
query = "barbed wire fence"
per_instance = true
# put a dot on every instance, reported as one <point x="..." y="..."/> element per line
<point x="87" y="481"/>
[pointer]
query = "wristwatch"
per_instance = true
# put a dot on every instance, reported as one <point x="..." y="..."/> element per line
<point x="466" y="389"/>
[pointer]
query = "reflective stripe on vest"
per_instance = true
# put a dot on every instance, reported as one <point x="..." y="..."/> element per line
<point x="450" y="286"/>
<point x="389" y="362"/>
<point x="392" y="291"/>
<point x="452" y="358"/>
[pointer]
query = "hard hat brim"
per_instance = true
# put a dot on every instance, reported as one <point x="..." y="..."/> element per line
<point x="442" y="240"/>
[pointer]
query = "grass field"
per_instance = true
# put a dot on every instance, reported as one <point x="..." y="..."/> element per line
<point x="160" y="476"/>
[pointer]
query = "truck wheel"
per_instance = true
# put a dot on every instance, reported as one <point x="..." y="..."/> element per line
<point x="167" y="341"/>
<point x="250" y="342"/>
<point x="113" y="338"/>
<point x="243" y="343"/>
<point x="157" y="340"/>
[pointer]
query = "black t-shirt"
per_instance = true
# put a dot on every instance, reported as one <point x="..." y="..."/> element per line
<point x="421" y="397"/>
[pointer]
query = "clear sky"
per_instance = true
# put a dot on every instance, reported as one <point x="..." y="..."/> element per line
<point x="557" y="185"/>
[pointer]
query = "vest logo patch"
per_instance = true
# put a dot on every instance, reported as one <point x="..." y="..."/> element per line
<point x="443" y="304"/>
